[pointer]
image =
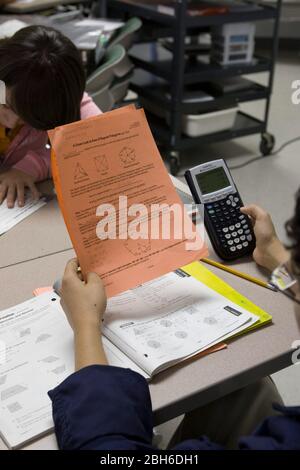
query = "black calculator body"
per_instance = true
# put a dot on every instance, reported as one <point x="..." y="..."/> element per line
<point x="230" y="231"/>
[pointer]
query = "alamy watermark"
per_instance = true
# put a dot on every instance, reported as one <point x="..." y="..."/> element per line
<point x="295" y="97"/>
<point x="152" y="222"/>
<point x="296" y="353"/>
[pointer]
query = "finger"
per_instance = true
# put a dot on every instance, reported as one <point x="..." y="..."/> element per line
<point x="71" y="268"/>
<point x="11" y="196"/>
<point x="3" y="191"/>
<point x="253" y="211"/>
<point x="34" y="191"/>
<point x="20" y="194"/>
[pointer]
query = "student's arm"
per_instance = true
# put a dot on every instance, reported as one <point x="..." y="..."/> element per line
<point x="33" y="167"/>
<point x="88" y="107"/>
<point x="269" y="252"/>
<point x="36" y="163"/>
<point x="280" y="432"/>
<point x="84" y="304"/>
<point x="98" y="407"/>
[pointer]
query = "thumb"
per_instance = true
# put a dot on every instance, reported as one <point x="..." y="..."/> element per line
<point x="255" y="212"/>
<point x="92" y="278"/>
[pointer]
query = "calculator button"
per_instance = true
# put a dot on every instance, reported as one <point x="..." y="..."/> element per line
<point x="249" y="238"/>
<point x="228" y="202"/>
<point x="231" y="227"/>
<point x="209" y="206"/>
<point x="236" y="199"/>
<point x="230" y="242"/>
<point x="240" y="231"/>
<point x="241" y="217"/>
<point x="236" y="240"/>
<point x="225" y="229"/>
<point x="234" y="234"/>
<point x="237" y="225"/>
<point x="244" y="222"/>
<point x="232" y="248"/>
<point x="227" y="236"/>
<point x="233" y="204"/>
<point x="245" y="244"/>
<point x="239" y="247"/>
<point x="247" y="232"/>
<point x="243" y="238"/>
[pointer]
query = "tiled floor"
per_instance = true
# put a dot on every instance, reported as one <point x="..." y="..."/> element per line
<point x="270" y="182"/>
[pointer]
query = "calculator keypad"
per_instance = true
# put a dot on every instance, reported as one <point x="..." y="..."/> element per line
<point x="231" y="226"/>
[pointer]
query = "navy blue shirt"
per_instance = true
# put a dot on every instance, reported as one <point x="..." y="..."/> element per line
<point x="109" y="408"/>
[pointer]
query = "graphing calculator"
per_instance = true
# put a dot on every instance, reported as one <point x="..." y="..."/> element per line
<point x="230" y="231"/>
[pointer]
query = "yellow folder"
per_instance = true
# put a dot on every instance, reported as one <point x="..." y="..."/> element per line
<point x="200" y="272"/>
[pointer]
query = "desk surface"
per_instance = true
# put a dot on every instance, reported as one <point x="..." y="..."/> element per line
<point x="35" y="237"/>
<point x="183" y="387"/>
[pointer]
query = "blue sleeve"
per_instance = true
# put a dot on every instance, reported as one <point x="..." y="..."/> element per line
<point x="107" y="408"/>
<point x="280" y="432"/>
<point x="103" y="408"/>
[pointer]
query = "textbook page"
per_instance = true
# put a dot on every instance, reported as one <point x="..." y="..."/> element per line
<point x="38" y="356"/>
<point x="171" y="318"/>
<point x="11" y="217"/>
<point x="112" y="162"/>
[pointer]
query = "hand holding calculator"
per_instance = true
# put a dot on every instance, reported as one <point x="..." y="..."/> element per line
<point x="230" y="231"/>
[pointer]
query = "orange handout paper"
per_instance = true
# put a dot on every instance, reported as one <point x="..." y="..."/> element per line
<point x="102" y="167"/>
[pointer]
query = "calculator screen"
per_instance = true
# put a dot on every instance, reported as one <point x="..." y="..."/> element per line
<point x="213" y="180"/>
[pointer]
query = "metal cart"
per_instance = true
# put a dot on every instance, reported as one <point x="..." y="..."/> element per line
<point x="178" y="72"/>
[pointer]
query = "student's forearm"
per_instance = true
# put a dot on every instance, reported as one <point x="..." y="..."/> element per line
<point x="88" y="347"/>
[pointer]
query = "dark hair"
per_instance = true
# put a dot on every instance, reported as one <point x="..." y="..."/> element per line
<point x="293" y="231"/>
<point x="44" y="72"/>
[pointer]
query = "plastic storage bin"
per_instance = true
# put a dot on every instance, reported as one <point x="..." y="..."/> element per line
<point x="195" y="125"/>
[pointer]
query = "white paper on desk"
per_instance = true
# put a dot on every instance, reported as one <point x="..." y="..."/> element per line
<point x="39" y="356"/>
<point x="170" y="318"/>
<point x="11" y="217"/>
<point x="37" y="359"/>
<point x="105" y="25"/>
<point x="10" y="27"/>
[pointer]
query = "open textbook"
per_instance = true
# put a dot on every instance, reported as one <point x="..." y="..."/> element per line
<point x="147" y="329"/>
<point x="11" y="217"/>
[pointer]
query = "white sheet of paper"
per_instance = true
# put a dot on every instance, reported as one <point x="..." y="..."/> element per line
<point x="10" y="27"/>
<point x="11" y="217"/>
<point x="105" y="25"/>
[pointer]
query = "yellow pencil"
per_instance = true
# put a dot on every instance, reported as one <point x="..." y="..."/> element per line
<point x="259" y="282"/>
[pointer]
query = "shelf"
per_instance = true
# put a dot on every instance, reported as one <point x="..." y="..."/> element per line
<point x="195" y="72"/>
<point x="158" y="93"/>
<point x="244" y="125"/>
<point x="150" y="12"/>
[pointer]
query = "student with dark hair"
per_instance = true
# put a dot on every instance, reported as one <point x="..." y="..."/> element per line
<point x="109" y="408"/>
<point x="45" y="81"/>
